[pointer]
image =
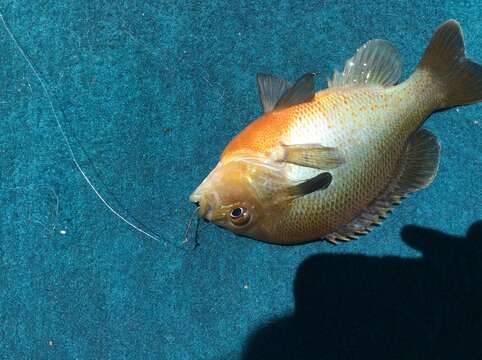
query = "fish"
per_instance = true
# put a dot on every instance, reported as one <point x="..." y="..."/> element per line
<point x="331" y="165"/>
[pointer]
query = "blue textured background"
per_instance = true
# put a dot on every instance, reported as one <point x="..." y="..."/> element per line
<point x="150" y="93"/>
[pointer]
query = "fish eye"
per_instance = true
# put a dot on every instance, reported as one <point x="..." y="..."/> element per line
<point x="239" y="216"/>
<point x="237" y="212"/>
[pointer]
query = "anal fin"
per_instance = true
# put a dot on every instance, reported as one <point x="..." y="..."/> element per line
<point x="418" y="168"/>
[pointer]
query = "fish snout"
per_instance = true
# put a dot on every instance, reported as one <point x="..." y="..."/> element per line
<point x="203" y="205"/>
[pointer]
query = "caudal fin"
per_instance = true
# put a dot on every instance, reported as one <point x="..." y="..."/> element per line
<point x="459" y="78"/>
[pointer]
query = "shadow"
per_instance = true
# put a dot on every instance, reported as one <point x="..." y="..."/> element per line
<point x="360" y="307"/>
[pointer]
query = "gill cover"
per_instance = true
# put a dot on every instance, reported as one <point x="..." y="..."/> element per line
<point x="254" y="187"/>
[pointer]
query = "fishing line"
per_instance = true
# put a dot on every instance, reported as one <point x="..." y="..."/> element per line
<point x="67" y="142"/>
<point x="188" y="226"/>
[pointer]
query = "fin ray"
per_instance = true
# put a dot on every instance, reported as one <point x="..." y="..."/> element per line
<point x="445" y="59"/>
<point x="313" y="156"/>
<point x="302" y="91"/>
<point x="271" y="89"/>
<point x="376" y="62"/>
<point x="418" y="169"/>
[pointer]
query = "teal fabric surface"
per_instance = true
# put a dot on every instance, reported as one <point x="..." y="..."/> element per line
<point x="149" y="93"/>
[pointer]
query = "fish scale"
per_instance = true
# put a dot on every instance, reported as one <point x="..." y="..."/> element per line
<point x="372" y="141"/>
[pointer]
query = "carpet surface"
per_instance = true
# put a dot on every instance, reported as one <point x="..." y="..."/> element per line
<point x="149" y="93"/>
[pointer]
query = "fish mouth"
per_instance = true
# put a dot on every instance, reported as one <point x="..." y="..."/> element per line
<point x="204" y="208"/>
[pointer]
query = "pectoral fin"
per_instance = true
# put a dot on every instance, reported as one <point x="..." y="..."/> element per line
<point x="312" y="155"/>
<point x="319" y="182"/>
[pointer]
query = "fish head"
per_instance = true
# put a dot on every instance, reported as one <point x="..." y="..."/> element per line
<point x="237" y="195"/>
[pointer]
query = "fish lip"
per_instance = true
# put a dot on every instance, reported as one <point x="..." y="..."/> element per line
<point x="194" y="198"/>
<point x="203" y="206"/>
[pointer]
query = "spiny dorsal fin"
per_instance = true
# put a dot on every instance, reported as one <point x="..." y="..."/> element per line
<point x="376" y="62"/>
<point x="302" y="91"/>
<point x="277" y="93"/>
<point x="417" y="171"/>
<point x="271" y="89"/>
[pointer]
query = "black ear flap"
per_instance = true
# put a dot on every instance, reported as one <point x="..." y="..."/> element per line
<point x="319" y="182"/>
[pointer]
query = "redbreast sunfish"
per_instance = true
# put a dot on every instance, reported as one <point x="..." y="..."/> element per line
<point x="331" y="164"/>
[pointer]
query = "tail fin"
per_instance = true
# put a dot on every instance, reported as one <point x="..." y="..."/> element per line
<point x="444" y="59"/>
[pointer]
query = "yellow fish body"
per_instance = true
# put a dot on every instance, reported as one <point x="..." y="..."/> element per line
<point x="332" y="164"/>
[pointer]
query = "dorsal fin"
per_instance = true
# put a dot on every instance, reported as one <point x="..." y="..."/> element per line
<point x="417" y="170"/>
<point x="271" y="89"/>
<point x="302" y="91"/>
<point x="376" y="62"/>
<point x="277" y="93"/>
